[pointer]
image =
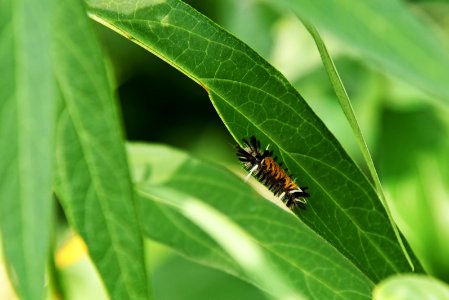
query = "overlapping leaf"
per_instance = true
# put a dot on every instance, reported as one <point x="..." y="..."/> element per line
<point x="93" y="181"/>
<point x="289" y="248"/>
<point x="346" y="106"/>
<point x="253" y="98"/>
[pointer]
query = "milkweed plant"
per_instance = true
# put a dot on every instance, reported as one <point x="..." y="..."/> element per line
<point x="119" y="124"/>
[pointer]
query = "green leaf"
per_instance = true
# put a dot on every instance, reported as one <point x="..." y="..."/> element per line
<point x="411" y="287"/>
<point x="235" y="241"/>
<point x="184" y="274"/>
<point x="27" y="117"/>
<point x="253" y="98"/>
<point x="347" y="109"/>
<point x="218" y="220"/>
<point x="93" y="181"/>
<point x="386" y="34"/>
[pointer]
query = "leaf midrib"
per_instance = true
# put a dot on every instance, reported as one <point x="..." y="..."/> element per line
<point x="319" y="185"/>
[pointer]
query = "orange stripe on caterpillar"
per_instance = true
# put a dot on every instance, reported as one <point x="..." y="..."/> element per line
<point x="263" y="166"/>
<point x="278" y="173"/>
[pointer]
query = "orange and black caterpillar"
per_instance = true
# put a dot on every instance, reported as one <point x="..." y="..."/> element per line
<point x="263" y="166"/>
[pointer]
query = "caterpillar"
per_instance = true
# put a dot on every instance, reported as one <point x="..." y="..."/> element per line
<point x="264" y="167"/>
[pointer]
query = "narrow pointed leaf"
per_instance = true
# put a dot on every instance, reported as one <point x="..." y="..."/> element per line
<point x="347" y="109"/>
<point x="27" y="115"/>
<point x="93" y="181"/>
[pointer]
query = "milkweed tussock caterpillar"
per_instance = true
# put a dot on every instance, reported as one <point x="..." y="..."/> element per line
<point x="263" y="166"/>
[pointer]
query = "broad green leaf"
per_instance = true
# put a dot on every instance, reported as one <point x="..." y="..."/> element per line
<point x="253" y="98"/>
<point x="27" y="117"/>
<point x="411" y="287"/>
<point x="387" y="34"/>
<point x="191" y="222"/>
<point x="92" y="174"/>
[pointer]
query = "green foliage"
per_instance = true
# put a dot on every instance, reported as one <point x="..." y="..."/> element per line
<point x="315" y="267"/>
<point x="92" y="175"/>
<point x="410" y="287"/>
<point x="167" y="276"/>
<point x="419" y="181"/>
<point x="386" y="34"/>
<point x="252" y="98"/>
<point x="348" y="110"/>
<point x="27" y="115"/>
<point x="60" y="132"/>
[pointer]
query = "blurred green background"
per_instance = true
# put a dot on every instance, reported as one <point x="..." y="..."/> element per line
<point x="406" y="131"/>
